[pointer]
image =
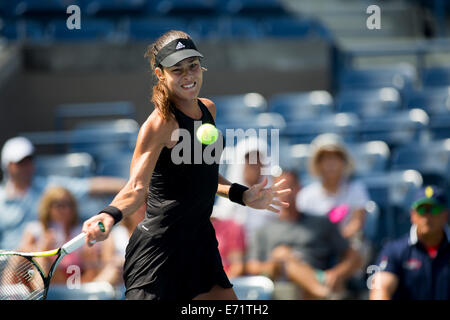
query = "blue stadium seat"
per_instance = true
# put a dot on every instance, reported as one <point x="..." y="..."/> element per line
<point x="402" y="77"/>
<point x="22" y="30"/>
<point x="304" y="131"/>
<point x="225" y="28"/>
<point x="93" y="7"/>
<point x="255" y="7"/>
<point x="183" y="7"/>
<point x="117" y="166"/>
<point x="79" y="165"/>
<point x="440" y="126"/>
<point x="287" y="27"/>
<point x="436" y="76"/>
<point x="92" y="110"/>
<point x="369" y="102"/>
<point x="434" y="100"/>
<point x="398" y="128"/>
<point x="300" y="105"/>
<point x="431" y="159"/>
<point x="253" y="124"/>
<point x="104" y="138"/>
<point x="393" y="192"/>
<point x="23" y="7"/>
<point x="253" y="287"/>
<point x="234" y="107"/>
<point x="152" y="28"/>
<point x="369" y="157"/>
<point x="91" y="30"/>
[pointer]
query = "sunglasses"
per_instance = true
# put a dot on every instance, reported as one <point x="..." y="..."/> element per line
<point x="62" y="204"/>
<point x="434" y="210"/>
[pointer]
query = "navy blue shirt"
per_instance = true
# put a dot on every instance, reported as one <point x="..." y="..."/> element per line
<point x="420" y="277"/>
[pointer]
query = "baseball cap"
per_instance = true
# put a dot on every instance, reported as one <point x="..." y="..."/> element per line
<point x="15" y="150"/>
<point x="175" y="51"/>
<point x="431" y="195"/>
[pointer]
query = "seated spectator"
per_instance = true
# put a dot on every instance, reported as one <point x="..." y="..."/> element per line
<point x="299" y="248"/>
<point x="58" y="223"/>
<point x="417" y="266"/>
<point x="21" y="190"/>
<point x="335" y="195"/>
<point x="250" y="158"/>
<point x="231" y="239"/>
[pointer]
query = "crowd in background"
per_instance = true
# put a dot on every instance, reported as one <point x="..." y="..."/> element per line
<point x="317" y="245"/>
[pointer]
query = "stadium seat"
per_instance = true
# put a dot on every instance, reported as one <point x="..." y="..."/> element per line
<point x="104" y="138"/>
<point x="398" y="128"/>
<point x="440" y="126"/>
<point x="369" y="157"/>
<point x="225" y="28"/>
<point x="72" y="165"/>
<point x="402" y="77"/>
<point x="393" y="192"/>
<point x="149" y="29"/>
<point x="234" y="107"/>
<point x="302" y="105"/>
<point x="434" y="100"/>
<point x="118" y="166"/>
<point x="431" y="159"/>
<point x="182" y="7"/>
<point x="436" y="76"/>
<point x="25" y="7"/>
<point x="369" y="102"/>
<point x="304" y="131"/>
<point x="253" y="287"/>
<point x="22" y="30"/>
<point x="91" y="30"/>
<point x="71" y="111"/>
<point x="287" y="27"/>
<point x="93" y="7"/>
<point x="255" y="7"/>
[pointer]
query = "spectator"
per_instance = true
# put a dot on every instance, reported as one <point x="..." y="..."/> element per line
<point x="249" y="159"/>
<point x="21" y="190"/>
<point x="58" y="223"/>
<point x="335" y="195"/>
<point x="300" y="247"/>
<point x="231" y="239"/>
<point x="417" y="266"/>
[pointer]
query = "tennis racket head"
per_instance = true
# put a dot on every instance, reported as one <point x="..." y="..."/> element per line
<point x="20" y="278"/>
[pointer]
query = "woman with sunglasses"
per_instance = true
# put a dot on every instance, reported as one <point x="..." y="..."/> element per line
<point x="173" y="253"/>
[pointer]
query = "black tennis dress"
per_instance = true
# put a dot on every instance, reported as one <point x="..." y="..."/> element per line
<point x="173" y="253"/>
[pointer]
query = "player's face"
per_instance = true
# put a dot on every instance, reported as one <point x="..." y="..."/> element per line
<point x="429" y="223"/>
<point x="184" y="79"/>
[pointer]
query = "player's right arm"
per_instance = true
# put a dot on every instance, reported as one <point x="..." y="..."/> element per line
<point x="154" y="134"/>
<point x="383" y="286"/>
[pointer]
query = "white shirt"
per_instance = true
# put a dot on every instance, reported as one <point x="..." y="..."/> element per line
<point x="315" y="200"/>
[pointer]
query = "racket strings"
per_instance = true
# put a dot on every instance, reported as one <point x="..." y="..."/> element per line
<point x="19" y="279"/>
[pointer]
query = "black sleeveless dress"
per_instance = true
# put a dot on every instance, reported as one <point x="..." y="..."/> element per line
<point x="173" y="253"/>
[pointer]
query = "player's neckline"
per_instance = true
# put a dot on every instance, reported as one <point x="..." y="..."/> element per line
<point x="201" y="110"/>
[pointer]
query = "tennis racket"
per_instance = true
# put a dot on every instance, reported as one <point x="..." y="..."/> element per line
<point x="21" y="277"/>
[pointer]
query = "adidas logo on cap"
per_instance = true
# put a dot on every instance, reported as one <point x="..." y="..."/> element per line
<point x="180" y="46"/>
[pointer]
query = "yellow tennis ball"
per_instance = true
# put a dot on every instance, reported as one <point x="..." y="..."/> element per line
<point x="207" y="133"/>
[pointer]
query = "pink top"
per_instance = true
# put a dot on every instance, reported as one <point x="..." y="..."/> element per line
<point x="230" y="237"/>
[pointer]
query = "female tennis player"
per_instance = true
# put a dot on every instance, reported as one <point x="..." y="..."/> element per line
<point x="173" y="253"/>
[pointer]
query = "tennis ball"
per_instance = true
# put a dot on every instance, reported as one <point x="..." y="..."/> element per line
<point x="207" y="133"/>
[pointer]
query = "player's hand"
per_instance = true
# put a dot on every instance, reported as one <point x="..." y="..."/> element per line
<point x="93" y="231"/>
<point x="259" y="197"/>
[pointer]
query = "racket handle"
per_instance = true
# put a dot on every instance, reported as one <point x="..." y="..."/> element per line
<point x="75" y="243"/>
<point x="79" y="240"/>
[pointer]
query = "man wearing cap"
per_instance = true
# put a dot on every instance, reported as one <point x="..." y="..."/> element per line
<point x="20" y="190"/>
<point x="417" y="266"/>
